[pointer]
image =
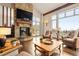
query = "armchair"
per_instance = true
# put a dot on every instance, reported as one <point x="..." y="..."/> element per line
<point x="47" y="34"/>
<point x="72" y="40"/>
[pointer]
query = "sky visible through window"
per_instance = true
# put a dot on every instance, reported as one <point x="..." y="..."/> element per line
<point x="69" y="23"/>
<point x="68" y="20"/>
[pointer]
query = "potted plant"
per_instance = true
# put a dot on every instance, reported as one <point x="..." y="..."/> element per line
<point x="14" y="42"/>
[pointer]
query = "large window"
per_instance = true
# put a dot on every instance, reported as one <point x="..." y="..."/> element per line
<point x="70" y="12"/>
<point x="36" y="26"/>
<point x="1" y="15"/>
<point x="6" y="16"/>
<point x="54" y="17"/>
<point x="69" y="23"/>
<point x="68" y="20"/>
<point x="61" y="15"/>
<point x="9" y="18"/>
<point x="54" y="24"/>
<point x="36" y="21"/>
<point x="12" y="16"/>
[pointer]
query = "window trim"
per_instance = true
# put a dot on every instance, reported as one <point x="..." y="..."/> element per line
<point x="1" y="15"/>
<point x="69" y="11"/>
<point x="65" y="14"/>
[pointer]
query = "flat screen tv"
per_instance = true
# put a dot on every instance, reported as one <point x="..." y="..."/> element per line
<point x="21" y="14"/>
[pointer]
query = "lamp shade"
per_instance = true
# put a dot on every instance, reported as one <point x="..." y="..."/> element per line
<point x="46" y="21"/>
<point x="5" y="31"/>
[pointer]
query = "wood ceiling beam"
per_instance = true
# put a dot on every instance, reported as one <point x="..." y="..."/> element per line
<point x="61" y="7"/>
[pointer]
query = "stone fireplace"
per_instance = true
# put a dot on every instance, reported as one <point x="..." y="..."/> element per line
<point x="22" y="30"/>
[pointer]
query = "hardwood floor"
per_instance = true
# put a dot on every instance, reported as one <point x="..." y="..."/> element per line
<point x="28" y="46"/>
<point x="71" y="51"/>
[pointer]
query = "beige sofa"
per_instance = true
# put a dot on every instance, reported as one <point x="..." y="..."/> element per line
<point x="72" y="40"/>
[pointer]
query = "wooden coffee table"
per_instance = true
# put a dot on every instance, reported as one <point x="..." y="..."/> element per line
<point x="48" y="49"/>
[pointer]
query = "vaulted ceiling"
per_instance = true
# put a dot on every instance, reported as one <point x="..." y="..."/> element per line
<point x="46" y="7"/>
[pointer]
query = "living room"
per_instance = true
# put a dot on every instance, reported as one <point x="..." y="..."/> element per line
<point x="39" y="29"/>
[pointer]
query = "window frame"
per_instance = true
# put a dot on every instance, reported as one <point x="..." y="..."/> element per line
<point x="67" y="12"/>
<point x="75" y="11"/>
<point x="1" y="13"/>
<point x="61" y="13"/>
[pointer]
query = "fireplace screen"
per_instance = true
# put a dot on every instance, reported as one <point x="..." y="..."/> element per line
<point x="24" y="31"/>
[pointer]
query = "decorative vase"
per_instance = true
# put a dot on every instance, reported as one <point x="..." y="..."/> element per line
<point x="2" y="42"/>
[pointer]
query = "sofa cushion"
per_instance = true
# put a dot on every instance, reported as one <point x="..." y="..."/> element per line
<point x="69" y="39"/>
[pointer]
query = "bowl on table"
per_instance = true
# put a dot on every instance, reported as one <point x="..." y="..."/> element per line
<point x="48" y="42"/>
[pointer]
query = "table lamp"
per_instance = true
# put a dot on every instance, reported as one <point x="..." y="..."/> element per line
<point x="4" y="31"/>
<point x="46" y="22"/>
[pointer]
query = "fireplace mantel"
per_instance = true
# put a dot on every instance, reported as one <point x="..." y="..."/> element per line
<point x="20" y="24"/>
<point x="23" y="22"/>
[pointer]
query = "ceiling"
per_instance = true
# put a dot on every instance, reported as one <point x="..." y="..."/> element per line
<point x="46" y="7"/>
